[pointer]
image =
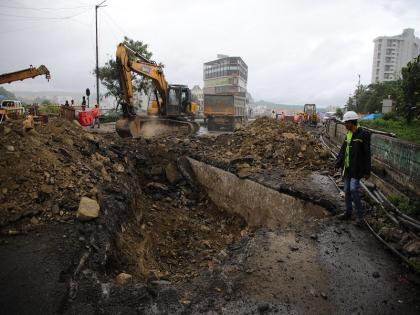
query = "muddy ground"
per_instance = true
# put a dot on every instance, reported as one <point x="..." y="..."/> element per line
<point x="182" y="252"/>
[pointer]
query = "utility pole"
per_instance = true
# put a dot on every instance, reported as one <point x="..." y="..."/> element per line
<point x="358" y="92"/>
<point x="100" y="5"/>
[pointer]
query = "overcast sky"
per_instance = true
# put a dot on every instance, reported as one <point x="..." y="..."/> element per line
<point x="297" y="51"/>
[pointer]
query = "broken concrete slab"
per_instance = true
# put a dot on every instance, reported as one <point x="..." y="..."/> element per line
<point x="88" y="209"/>
<point x="257" y="204"/>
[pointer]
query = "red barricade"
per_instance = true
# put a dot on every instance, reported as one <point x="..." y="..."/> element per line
<point x="85" y="118"/>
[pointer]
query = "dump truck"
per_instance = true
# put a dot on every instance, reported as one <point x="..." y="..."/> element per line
<point x="224" y="111"/>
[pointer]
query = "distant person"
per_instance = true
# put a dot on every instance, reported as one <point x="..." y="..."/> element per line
<point x="67" y="103"/>
<point x="273" y="114"/>
<point x="83" y="103"/>
<point x="355" y="161"/>
<point x="282" y="117"/>
<point x="296" y="119"/>
<point x="95" y="115"/>
<point x="72" y="103"/>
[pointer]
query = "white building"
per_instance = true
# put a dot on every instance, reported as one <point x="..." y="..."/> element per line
<point x="197" y="94"/>
<point x="391" y="53"/>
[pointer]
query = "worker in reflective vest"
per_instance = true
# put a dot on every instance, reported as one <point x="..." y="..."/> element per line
<point x="355" y="161"/>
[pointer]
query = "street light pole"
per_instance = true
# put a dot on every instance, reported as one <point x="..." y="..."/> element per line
<point x="100" y="5"/>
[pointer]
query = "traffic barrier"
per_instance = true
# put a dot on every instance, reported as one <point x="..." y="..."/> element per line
<point x="85" y="118"/>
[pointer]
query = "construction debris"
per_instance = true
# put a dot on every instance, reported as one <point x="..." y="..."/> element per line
<point x="88" y="209"/>
<point x="130" y="229"/>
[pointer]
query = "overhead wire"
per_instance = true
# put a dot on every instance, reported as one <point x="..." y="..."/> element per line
<point x="121" y="29"/>
<point x="43" y="9"/>
<point x="41" y="18"/>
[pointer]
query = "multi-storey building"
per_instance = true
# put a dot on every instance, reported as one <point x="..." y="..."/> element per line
<point x="225" y="75"/>
<point x="392" y="53"/>
<point x="198" y="96"/>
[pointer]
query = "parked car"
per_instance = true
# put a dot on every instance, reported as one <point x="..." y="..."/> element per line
<point x="10" y="103"/>
<point x="14" y="108"/>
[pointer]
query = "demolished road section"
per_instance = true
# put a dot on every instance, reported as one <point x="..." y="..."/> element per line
<point x="95" y="223"/>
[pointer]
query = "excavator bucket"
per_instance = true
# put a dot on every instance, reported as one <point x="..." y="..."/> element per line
<point x="128" y="127"/>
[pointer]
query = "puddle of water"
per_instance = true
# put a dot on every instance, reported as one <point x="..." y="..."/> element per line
<point x="203" y="131"/>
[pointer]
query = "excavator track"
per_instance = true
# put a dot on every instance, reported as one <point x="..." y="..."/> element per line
<point x="153" y="126"/>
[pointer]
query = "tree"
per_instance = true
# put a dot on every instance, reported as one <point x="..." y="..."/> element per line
<point x="368" y="98"/>
<point x="339" y="113"/>
<point x="411" y="89"/>
<point x="108" y="74"/>
<point x="46" y="102"/>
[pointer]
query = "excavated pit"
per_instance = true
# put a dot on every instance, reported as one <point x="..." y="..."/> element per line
<point x="260" y="206"/>
<point x="181" y="229"/>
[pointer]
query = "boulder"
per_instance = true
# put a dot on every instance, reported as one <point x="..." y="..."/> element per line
<point x="244" y="172"/>
<point x="118" y="168"/>
<point x="123" y="278"/>
<point x="88" y="209"/>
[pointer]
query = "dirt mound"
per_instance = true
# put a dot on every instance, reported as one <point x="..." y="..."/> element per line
<point x="44" y="172"/>
<point x="156" y="224"/>
<point x="267" y="144"/>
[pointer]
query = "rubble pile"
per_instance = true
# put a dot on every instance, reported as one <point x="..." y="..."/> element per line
<point x="405" y="241"/>
<point x="45" y="172"/>
<point x="267" y="144"/>
<point x="61" y="174"/>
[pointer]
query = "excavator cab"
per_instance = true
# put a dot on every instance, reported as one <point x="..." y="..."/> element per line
<point x="179" y="100"/>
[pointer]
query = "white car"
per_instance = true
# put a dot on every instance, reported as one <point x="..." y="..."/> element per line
<point x="10" y="103"/>
<point x="13" y="106"/>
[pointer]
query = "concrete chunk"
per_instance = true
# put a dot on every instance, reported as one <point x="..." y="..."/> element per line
<point x="123" y="278"/>
<point x="88" y="209"/>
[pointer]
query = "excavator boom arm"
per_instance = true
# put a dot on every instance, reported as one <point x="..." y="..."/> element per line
<point x="142" y="67"/>
<point x="25" y="74"/>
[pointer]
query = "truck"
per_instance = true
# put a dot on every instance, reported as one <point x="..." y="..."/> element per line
<point x="224" y="111"/>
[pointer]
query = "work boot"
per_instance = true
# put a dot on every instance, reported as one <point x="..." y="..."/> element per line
<point x="344" y="216"/>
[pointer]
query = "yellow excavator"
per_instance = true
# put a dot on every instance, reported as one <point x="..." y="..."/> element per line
<point x="310" y="115"/>
<point x="172" y="102"/>
<point x="20" y="75"/>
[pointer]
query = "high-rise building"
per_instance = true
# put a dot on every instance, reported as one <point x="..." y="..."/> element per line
<point x="225" y="75"/>
<point x="392" y="53"/>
